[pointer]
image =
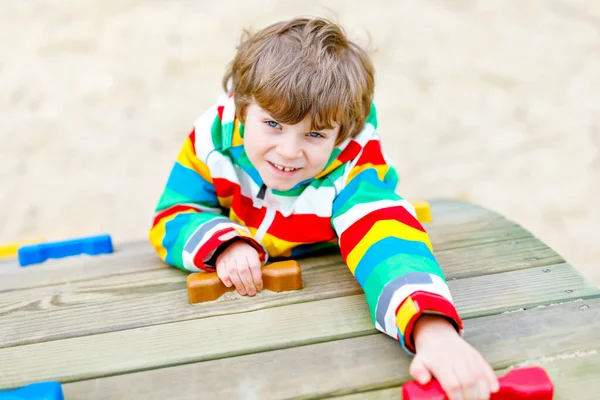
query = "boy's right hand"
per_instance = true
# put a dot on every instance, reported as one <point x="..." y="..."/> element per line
<point x="239" y="265"/>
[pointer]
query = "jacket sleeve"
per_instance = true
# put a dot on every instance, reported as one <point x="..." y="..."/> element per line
<point x="189" y="227"/>
<point x="387" y="250"/>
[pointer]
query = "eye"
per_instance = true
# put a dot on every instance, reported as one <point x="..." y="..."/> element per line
<point x="273" y="124"/>
<point x="315" y="135"/>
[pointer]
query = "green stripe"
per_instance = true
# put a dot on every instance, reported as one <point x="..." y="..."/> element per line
<point x="372" y="118"/>
<point x="170" y="198"/>
<point x="368" y="193"/>
<point x="194" y="220"/>
<point x="216" y="132"/>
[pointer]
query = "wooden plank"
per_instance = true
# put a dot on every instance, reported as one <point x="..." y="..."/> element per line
<point x="127" y="301"/>
<point x="498" y="257"/>
<point x="353" y="365"/>
<point x="186" y="341"/>
<point x="523" y="289"/>
<point x="470" y="222"/>
<point x="575" y="377"/>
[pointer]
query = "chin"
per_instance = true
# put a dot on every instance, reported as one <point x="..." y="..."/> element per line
<point x="282" y="187"/>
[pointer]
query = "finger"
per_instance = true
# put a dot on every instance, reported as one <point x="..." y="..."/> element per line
<point x="467" y="381"/>
<point x="483" y="390"/>
<point x="449" y="381"/>
<point x="492" y="379"/>
<point x="223" y="275"/>
<point x="486" y="378"/>
<point x="452" y="387"/>
<point x="246" y="277"/>
<point x="419" y="371"/>
<point x="232" y="270"/>
<point x="256" y="272"/>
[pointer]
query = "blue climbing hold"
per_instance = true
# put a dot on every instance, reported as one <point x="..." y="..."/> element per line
<point x="36" y="391"/>
<point x="38" y="253"/>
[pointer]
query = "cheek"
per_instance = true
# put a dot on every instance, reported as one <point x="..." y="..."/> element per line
<point x="320" y="157"/>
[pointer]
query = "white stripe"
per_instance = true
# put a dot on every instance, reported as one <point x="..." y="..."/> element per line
<point x="203" y="125"/>
<point x="438" y="287"/>
<point x="358" y="211"/>
<point x="228" y="110"/>
<point x="312" y="201"/>
<point x="188" y="258"/>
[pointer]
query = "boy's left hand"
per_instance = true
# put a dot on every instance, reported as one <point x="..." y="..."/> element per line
<point x="442" y="353"/>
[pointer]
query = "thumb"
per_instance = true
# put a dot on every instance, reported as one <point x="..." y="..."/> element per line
<point x="419" y="371"/>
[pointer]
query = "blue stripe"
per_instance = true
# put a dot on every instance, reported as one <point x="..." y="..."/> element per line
<point x="385" y="248"/>
<point x="366" y="176"/>
<point x="191" y="185"/>
<point x="173" y="229"/>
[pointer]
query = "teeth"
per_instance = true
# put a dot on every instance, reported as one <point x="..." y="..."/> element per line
<point x="282" y="168"/>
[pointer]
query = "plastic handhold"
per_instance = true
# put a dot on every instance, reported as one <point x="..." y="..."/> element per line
<point x="11" y="249"/>
<point x="277" y="277"/>
<point x="38" y="253"/>
<point x="35" y="391"/>
<point x="423" y="210"/>
<point x="531" y="383"/>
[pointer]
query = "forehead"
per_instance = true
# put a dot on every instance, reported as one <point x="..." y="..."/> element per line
<point x="258" y="112"/>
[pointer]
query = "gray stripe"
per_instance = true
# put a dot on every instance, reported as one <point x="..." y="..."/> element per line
<point x="413" y="278"/>
<point x="196" y="238"/>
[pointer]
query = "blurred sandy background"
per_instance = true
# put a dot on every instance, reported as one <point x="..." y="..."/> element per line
<point x="496" y="102"/>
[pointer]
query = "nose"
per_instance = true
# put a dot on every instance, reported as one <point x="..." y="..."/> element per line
<point x="289" y="148"/>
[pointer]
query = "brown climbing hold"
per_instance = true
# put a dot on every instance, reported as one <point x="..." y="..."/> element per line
<point x="277" y="277"/>
<point x="282" y="276"/>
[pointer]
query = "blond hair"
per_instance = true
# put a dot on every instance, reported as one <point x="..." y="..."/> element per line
<point x="301" y="66"/>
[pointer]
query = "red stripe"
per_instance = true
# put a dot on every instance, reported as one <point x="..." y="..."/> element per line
<point x="193" y="139"/>
<point x="351" y="151"/>
<point x="173" y="210"/>
<point x="426" y="301"/>
<point x="220" y="112"/>
<point x="357" y="231"/>
<point x="241" y="205"/>
<point x="306" y="228"/>
<point x="372" y="154"/>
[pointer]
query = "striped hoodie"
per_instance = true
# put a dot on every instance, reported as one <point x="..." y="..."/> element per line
<point x="214" y="195"/>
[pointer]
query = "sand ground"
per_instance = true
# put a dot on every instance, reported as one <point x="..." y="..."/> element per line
<point x="495" y="102"/>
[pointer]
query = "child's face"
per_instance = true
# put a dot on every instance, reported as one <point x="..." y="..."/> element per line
<point x="285" y="155"/>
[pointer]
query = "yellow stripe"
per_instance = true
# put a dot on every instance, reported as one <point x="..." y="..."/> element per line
<point x="278" y="247"/>
<point x="382" y="229"/>
<point x="234" y="217"/>
<point x="158" y="232"/>
<point x="12" y="249"/>
<point x="225" y="202"/>
<point x="188" y="159"/>
<point x="381" y="170"/>
<point x="405" y="314"/>
<point x="237" y="138"/>
<point x="331" y="167"/>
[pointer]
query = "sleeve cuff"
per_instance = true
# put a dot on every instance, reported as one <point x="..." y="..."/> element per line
<point x="220" y="240"/>
<point x="417" y="304"/>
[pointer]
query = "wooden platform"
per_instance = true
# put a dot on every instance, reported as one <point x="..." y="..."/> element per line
<point x="120" y="326"/>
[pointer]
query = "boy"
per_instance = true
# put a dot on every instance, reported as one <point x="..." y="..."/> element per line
<point x="288" y="161"/>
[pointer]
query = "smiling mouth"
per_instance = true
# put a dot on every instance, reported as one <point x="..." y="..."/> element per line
<point x="284" y="168"/>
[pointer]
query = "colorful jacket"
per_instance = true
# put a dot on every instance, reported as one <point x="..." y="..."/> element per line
<point x="214" y="195"/>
